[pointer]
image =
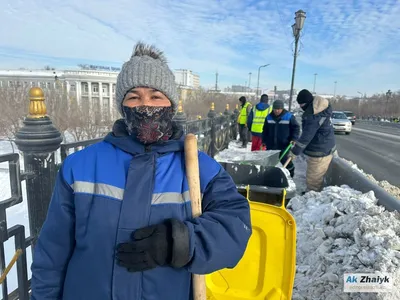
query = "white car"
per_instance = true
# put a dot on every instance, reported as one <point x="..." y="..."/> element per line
<point x="341" y="123"/>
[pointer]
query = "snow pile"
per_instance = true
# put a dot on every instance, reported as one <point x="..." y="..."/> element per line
<point x="234" y="152"/>
<point x="339" y="231"/>
<point x="391" y="189"/>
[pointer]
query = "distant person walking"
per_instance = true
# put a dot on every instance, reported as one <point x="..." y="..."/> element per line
<point x="280" y="129"/>
<point x="242" y="120"/>
<point x="255" y="122"/>
<point x="317" y="140"/>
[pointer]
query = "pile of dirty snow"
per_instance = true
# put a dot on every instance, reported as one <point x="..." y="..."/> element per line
<point x="391" y="189"/>
<point x="340" y="230"/>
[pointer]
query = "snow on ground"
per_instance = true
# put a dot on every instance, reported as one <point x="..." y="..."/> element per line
<point x="339" y="231"/>
<point x="391" y="189"/>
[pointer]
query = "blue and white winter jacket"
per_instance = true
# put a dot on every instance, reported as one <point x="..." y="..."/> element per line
<point x="318" y="136"/>
<point x="116" y="186"/>
<point x="279" y="131"/>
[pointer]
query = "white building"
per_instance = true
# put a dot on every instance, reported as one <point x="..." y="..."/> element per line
<point x="187" y="78"/>
<point x="88" y="87"/>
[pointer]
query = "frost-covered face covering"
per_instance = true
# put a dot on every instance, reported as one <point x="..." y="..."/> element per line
<point x="149" y="124"/>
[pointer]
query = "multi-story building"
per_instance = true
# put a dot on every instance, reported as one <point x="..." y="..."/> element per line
<point x="186" y="78"/>
<point x="90" y="88"/>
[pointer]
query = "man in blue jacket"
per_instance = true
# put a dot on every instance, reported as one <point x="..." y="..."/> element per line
<point x="317" y="140"/>
<point x="255" y="122"/>
<point x="280" y="129"/>
<point x="120" y="224"/>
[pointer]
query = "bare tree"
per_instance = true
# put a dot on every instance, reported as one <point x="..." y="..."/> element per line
<point x="83" y="120"/>
<point x="199" y="102"/>
<point x="378" y="105"/>
<point x="14" y="105"/>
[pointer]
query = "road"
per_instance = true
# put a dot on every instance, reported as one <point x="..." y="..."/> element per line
<point x="375" y="149"/>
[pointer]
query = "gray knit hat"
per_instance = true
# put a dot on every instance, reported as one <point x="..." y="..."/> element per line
<point x="278" y="104"/>
<point x="147" y="67"/>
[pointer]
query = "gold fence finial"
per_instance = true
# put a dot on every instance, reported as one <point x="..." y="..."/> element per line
<point x="212" y="106"/>
<point x="37" y="107"/>
<point x="227" y="106"/>
<point x="237" y="106"/>
<point x="199" y="117"/>
<point x="180" y="107"/>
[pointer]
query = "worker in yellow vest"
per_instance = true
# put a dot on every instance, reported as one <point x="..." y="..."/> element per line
<point x="255" y="122"/>
<point x="242" y="120"/>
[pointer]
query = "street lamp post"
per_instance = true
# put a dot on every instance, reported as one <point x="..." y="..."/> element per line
<point x="315" y="81"/>
<point x="258" y="79"/>
<point x="249" y="79"/>
<point x="334" y="90"/>
<point x="296" y="27"/>
<point x="388" y="95"/>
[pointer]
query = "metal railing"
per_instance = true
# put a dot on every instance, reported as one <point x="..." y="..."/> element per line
<point x="16" y="231"/>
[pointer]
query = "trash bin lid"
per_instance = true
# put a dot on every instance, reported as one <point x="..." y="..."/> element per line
<point x="267" y="268"/>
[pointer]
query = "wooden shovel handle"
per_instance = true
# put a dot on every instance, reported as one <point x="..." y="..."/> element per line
<point x="193" y="177"/>
<point x="287" y="162"/>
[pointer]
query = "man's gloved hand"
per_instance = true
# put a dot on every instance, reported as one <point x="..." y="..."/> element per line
<point x="157" y="245"/>
<point x="291" y="155"/>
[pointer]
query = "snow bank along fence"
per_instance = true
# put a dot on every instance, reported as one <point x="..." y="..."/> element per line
<point x="341" y="173"/>
<point x="40" y="143"/>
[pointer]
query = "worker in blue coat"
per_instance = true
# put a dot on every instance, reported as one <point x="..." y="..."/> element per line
<point x="120" y="224"/>
<point x="317" y="140"/>
<point x="280" y="129"/>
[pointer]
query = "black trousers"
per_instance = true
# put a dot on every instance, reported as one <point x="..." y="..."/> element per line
<point x="244" y="134"/>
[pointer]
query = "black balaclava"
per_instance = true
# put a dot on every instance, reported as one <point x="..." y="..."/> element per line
<point x="242" y="100"/>
<point x="304" y="99"/>
<point x="149" y="124"/>
<point x="264" y="98"/>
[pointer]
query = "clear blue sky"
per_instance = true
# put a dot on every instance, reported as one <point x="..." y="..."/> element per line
<point x="353" y="42"/>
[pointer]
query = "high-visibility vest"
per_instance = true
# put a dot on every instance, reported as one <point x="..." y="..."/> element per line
<point x="243" y="114"/>
<point x="259" y="119"/>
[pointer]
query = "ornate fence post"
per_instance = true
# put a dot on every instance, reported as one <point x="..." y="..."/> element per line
<point x="38" y="140"/>
<point x="180" y="117"/>
<point x="211" y="115"/>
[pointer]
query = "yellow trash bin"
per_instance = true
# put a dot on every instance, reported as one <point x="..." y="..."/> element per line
<point x="267" y="268"/>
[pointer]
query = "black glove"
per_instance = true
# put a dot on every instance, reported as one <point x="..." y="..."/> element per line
<point x="157" y="245"/>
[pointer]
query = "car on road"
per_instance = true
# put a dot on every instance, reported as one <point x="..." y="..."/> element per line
<point x="351" y="116"/>
<point x="341" y="123"/>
